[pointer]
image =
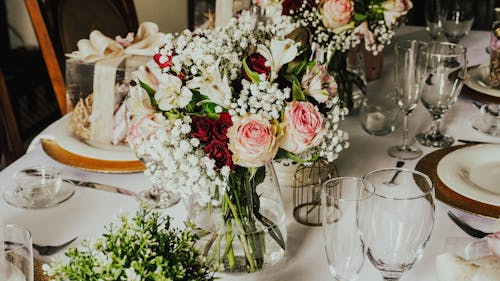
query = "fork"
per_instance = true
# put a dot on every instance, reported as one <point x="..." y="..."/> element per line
<point x="467" y="228"/>
<point x="48" y="250"/>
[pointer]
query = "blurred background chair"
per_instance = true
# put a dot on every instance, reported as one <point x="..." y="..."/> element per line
<point x="59" y="24"/>
<point x="11" y="145"/>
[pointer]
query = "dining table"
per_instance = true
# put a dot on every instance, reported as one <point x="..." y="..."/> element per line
<point x="88" y="212"/>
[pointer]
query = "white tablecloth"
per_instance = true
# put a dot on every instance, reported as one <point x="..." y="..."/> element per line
<point x="89" y="211"/>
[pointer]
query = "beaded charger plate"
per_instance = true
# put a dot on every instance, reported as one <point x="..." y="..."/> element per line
<point x="428" y="165"/>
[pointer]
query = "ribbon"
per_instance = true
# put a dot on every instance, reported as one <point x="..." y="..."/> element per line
<point x="99" y="46"/>
<point x="107" y="54"/>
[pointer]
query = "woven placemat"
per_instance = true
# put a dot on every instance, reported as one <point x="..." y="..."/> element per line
<point x="39" y="276"/>
<point x="428" y="165"/>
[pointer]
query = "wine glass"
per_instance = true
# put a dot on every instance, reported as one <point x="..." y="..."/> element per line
<point x="346" y="204"/>
<point x="458" y="19"/>
<point x="157" y="197"/>
<point x="407" y="80"/>
<point x="401" y="221"/>
<point x="16" y="253"/>
<point x="434" y="17"/>
<point x="444" y="71"/>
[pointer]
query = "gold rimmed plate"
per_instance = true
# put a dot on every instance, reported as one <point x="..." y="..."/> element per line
<point x="428" y="165"/>
<point x="56" y="152"/>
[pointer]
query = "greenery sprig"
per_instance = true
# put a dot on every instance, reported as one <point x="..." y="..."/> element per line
<point x="144" y="247"/>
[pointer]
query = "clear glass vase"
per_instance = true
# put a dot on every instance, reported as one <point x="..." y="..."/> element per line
<point x="246" y="231"/>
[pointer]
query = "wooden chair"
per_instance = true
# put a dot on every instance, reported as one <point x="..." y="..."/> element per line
<point x="59" y="24"/>
<point x="11" y="145"/>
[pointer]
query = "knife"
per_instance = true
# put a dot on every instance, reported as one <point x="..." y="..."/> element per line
<point x="100" y="186"/>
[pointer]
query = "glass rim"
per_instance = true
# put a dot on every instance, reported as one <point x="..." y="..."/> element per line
<point x="48" y="169"/>
<point x="15" y="226"/>
<point x="424" y="193"/>
<point x="370" y="192"/>
<point x="461" y="50"/>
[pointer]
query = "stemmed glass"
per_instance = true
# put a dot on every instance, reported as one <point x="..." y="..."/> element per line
<point x="407" y="80"/>
<point x="444" y="71"/>
<point x="157" y="197"/>
<point x="458" y="19"/>
<point x="401" y="221"/>
<point x="346" y="203"/>
<point x="434" y="17"/>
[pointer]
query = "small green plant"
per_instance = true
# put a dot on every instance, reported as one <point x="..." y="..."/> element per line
<point x="144" y="247"/>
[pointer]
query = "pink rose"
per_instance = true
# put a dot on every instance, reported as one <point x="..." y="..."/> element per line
<point x="304" y="127"/>
<point x="493" y="243"/>
<point x="318" y="83"/>
<point x="393" y="9"/>
<point x="253" y="140"/>
<point x="337" y="13"/>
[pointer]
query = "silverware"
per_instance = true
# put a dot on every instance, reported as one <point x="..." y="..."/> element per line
<point x="48" y="250"/>
<point x="399" y="164"/>
<point x="467" y="228"/>
<point x="100" y="186"/>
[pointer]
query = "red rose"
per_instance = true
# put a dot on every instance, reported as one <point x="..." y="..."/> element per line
<point x="257" y="63"/>
<point x="201" y="128"/>
<point x="290" y="7"/>
<point x="219" y="129"/>
<point x="218" y="151"/>
<point x="163" y="61"/>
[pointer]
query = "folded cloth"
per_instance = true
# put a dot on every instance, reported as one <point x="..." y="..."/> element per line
<point x="451" y="267"/>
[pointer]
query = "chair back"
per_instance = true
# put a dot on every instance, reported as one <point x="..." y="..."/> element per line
<point x="11" y="145"/>
<point x="59" y="24"/>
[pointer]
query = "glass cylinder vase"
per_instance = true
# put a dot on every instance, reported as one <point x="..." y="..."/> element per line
<point x="244" y="229"/>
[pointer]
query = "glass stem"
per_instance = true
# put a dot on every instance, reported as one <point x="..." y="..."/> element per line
<point x="436" y="123"/>
<point x="405" y="131"/>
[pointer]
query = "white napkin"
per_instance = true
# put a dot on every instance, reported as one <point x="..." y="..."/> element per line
<point x="451" y="267"/>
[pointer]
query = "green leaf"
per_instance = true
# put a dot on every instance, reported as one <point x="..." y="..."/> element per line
<point x="254" y="76"/>
<point x="359" y="17"/>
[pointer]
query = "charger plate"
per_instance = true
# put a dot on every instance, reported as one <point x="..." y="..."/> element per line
<point x="56" y="152"/>
<point x="428" y="165"/>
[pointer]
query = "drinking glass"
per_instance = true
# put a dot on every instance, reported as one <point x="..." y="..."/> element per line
<point x="434" y="17"/>
<point x="444" y="70"/>
<point x="16" y="253"/>
<point x="407" y="81"/>
<point x="346" y="204"/>
<point x="401" y="221"/>
<point x="458" y="19"/>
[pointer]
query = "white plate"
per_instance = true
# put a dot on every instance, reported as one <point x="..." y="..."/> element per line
<point x="478" y="80"/>
<point x="62" y="134"/>
<point x="473" y="172"/>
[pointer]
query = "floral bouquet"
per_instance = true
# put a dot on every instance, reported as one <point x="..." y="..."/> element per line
<point x="144" y="247"/>
<point x="337" y="26"/>
<point x="214" y="108"/>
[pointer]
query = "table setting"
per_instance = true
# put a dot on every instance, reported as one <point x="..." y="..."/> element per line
<point x="309" y="172"/>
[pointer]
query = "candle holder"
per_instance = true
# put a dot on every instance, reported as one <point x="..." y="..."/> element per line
<point x="378" y="116"/>
<point x="308" y="180"/>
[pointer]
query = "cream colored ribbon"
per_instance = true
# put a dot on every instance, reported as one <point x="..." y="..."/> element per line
<point x="107" y="54"/>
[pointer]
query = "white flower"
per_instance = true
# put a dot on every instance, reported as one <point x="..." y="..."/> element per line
<point x="281" y="53"/>
<point x="171" y="93"/>
<point x="213" y="85"/>
<point x="132" y="275"/>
